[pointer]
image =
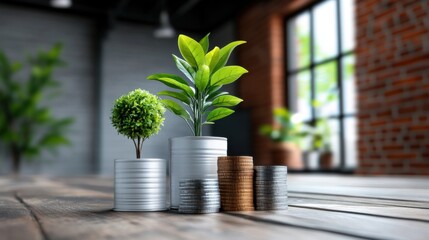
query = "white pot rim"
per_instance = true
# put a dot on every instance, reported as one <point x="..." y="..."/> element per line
<point x="198" y="138"/>
<point x="139" y="159"/>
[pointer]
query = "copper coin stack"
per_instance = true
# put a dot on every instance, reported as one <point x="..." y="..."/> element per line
<point x="235" y="175"/>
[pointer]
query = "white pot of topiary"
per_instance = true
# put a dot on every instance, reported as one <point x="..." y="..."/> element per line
<point x="140" y="184"/>
<point x="196" y="157"/>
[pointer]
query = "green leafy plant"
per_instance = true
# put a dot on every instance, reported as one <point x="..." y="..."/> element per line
<point x="138" y="115"/>
<point x="206" y="73"/>
<point x="27" y="126"/>
<point x="285" y="128"/>
<point x="319" y="130"/>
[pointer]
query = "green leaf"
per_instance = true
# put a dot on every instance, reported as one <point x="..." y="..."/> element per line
<point x="167" y="75"/>
<point x="15" y="67"/>
<point x="282" y="112"/>
<point x="213" y="89"/>
<point x="51" y="140"/>
<point x="176" y="109"/>
<point x="184" y="67"/>
<point x="208" y="123"/>
<point x="226" y="101"/>
<point x="177" y="95"/>
<point x="219" y="113"/>
<point x="204" y="42"/>
<point x="227" y="75"/>
<point x="212" y="58"/>
<point x="216" y="94"/>
<point x="266" y="130"/>
<point x="224" y="54"/>
<point x="202" y="77"/>
<point x="173" y="83"/>
<point x="191" y="50"/>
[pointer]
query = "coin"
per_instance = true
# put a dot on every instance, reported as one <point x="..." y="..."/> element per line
<point x="199" y="205"/>
<point x="231" y="174"/>
<point x="199" y="211"/>
<point x="233" y="178"/>
<point x="248" y="209"/>
<point x="235" y="166"/>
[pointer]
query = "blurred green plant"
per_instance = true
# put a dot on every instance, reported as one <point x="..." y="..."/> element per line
<point x="207" y="73"/>
<point x="319" y="130"/>
<point x="138" y="115"/>
<point x="287" y="127"/>
<point x="27" y="126"/>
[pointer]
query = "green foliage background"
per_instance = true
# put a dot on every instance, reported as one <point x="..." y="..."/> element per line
<point x="27" y="126"/>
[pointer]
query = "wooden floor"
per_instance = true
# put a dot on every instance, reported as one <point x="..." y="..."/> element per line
<point x="320" y="207"/>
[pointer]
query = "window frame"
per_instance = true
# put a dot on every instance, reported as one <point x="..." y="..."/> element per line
<point x="311" y="67"/>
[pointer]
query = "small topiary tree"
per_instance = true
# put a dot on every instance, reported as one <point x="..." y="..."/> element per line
<point x="138" y="115"/>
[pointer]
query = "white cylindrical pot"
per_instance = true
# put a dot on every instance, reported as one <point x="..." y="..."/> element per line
<point x="140" y="184"/>
<point x="313" y="160"/>
<point x="193" y="158"/>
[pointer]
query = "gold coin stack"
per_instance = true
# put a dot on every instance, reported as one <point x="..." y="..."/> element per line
<point x="235" y="175"/>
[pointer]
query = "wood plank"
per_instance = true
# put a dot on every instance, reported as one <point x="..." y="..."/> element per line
<point x="411" y="194"/>
<point x="364" y="200"/>
<point x="362" y="208"/>
<point x="67" y="212"/>
<point x="396" y="182"/>
<point x="353" y="224"/>
<point x="16" y="221"/>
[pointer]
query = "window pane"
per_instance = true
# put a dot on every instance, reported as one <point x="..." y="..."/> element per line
<point x="325" y="30"/>
<point x="349" y="85"/>
<point x="326" y="90"/>
<point x="350" y="144"/>
<point x="347" y="24"/>
<point x="300" y="94"/>
<point x="333" y="139"/>
<point x="299" y="41"/>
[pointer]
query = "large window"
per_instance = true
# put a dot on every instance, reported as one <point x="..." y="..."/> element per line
<point x="320" y="73"/>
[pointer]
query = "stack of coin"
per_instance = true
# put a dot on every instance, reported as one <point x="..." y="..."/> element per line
<point x="235" y="175"/>
<point x="199" y="196"/>
<point x="271" y="187"/>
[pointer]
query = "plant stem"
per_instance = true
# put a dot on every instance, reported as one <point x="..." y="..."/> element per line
<point x="135" y="146"/>
<point x="198" y="112"/>
<point x="16" y="159"/>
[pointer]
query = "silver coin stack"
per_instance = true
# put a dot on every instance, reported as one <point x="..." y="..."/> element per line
<point x="199" y="196"/>
<point x="271" y="187"/>
<point x="140" y="185"/>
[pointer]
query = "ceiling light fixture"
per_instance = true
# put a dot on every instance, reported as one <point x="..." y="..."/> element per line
<point x="61" y="3"/>
<point x="165" y="30"/>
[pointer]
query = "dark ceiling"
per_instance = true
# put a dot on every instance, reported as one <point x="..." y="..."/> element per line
<point x="185" y="15"/>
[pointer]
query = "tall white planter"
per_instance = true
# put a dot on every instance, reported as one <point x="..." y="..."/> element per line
<point x="140" y="184"/>
<point x="193" y="158"/>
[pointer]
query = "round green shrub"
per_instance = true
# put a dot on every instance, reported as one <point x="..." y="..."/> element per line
<point x="138" y="115"/>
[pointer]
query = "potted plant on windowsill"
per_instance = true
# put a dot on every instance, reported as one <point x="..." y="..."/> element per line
<point x="199" y="101"/>
<point x="140" y="183"/>
<point x="285" y="135"/>
<point x="321" y="143"/>
<point x="320" y="132"/>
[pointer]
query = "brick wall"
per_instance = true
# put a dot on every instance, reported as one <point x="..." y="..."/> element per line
<point x="261" y="25"/>
<point x="392" y="79"/>
<point x="393" y="86"/>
